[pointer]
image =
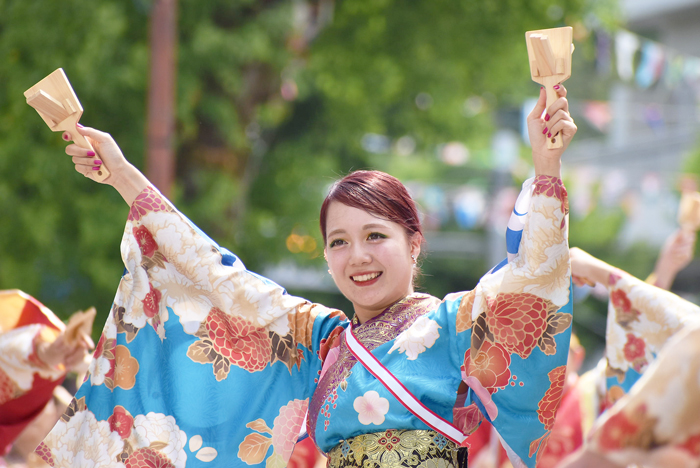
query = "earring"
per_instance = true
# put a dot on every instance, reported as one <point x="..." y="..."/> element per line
<point x="329" y="272"/>
<point x="413" y="257"/>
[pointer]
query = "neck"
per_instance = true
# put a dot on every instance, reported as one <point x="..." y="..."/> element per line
<point x="364" y="314"/>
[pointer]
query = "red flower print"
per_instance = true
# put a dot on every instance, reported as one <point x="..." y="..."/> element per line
<point x="151" y="302"/>
<point x="145" y="239"/>
<point x="547" y="407"/>
<point x="467" y="418"/>
<point x="7" y="389"/>
<point x="240" y="341"/>
<point x="552" y="187"/>
<point x="613" y="279"/>
<point x="490" y="366"/>
<point x="148" y="458"/>
<point x="148" y="200"/>
<point x="45" y="454"/>
<point x="617" y="432"/>
<point x="517" y="321"/>
<point x="331" y="342"/>
<point x="99" y="347"/>
<point x="634" y="348"/>
<point x="121" y="421"/>
<point x="692" y="445"/>
<point x="620" y="300"/>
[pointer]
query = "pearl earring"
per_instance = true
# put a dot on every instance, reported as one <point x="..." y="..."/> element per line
<point x="413" y="257"/>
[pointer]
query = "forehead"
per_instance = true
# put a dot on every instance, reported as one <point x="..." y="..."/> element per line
<point x="347" y="218"/>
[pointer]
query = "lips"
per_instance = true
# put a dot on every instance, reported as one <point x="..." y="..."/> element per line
<point x="365" y="278"/>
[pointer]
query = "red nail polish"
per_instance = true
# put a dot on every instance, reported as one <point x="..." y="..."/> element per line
<point x="544" y="131"/>
<point x="65" y="137"/>
<point x="98" y="162"/>
<point x="549" y="135"/>
<point x="96" y="168"/>
<point x="90" y="153"/>
<point x="556" y="86"/>
<point x="546" y="118"/>
<point x="78" y="125"/>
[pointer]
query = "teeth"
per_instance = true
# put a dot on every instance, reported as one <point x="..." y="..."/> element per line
<point x="365" y="277"/>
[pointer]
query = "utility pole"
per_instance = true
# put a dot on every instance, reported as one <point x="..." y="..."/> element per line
<point x="160" y="157"/>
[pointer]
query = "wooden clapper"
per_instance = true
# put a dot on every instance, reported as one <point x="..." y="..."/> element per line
<point x="56" y="102"/>
<point x="549" y="51"/>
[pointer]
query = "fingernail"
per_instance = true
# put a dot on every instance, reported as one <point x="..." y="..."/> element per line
<point x="549" y="135"/>
<point x="557" y="86"/>
<point x="78" y="125"/>
<point x="91" y="153"/>
<point x="96" y="168"/>
<point x="65" y="137"/>
<point x="546" y="117"/>
<point x="98" y="162"/>
<point x="544" y="131"/>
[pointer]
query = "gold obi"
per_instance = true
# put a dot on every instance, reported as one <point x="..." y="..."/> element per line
<point x="395" y="448"/>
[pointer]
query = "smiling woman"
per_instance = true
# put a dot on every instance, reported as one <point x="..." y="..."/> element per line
<point x="227" y="366"/>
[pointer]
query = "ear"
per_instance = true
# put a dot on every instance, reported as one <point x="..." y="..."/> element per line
<point x="325" y="254"/>
<point x="415" y="242"/>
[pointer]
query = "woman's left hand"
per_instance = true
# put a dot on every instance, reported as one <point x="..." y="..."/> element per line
<point x="542" y="127"/>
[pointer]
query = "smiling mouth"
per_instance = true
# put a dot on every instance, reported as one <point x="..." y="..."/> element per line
<point x="365" y="278"/>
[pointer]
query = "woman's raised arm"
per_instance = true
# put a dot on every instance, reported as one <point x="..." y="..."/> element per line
<point x="124" y="177"/>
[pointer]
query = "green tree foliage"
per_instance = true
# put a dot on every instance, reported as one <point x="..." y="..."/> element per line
<point x="253" y="162"/>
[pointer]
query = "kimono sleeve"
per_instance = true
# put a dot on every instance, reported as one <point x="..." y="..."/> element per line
<point x="26" y="383"/>
<point x="514" y="331"/>
<point x="200" y="360"/>
<point x="656" y="424"/>
<point x="641" y="319"/>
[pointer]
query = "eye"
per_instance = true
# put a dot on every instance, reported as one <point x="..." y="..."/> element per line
<point x="376" y="236"/>
<point x="336" y="243"/>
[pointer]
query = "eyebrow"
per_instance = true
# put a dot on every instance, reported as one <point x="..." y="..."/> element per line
<point x="366" y="227"/>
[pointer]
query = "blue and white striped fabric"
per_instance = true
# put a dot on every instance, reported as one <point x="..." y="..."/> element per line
<point x="516" y="223"/>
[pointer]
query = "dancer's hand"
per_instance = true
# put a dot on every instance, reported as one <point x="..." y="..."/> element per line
<point x="123" y="176"/>
<point x="542" y="127"/>
<point x="60" y="352"/>
<point x="676" y="254"/>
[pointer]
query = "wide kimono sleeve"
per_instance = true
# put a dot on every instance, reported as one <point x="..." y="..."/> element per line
<point x="657" y="424"/>
<point x="26" y="383"/>
<point x="641" y="319"/>
<point x="514" y="329"/>
<point x="201" y="362"/>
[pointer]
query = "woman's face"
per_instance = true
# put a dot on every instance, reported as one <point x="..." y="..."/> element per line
<point x="369" y="258"/>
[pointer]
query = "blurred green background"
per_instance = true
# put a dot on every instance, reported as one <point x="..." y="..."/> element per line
<point x="275" y="100"/>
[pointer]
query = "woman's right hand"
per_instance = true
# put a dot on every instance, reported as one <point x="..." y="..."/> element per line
<point x="62" y="353"/>
<point x="124" y="177"/>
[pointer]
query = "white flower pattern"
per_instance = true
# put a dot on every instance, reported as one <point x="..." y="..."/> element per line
<point x="371" y="408"/>
<point x="417" y="338"/>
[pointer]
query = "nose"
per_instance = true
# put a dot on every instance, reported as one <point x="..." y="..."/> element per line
<point x="359" y="255"/>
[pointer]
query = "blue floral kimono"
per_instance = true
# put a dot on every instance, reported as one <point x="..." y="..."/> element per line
<point x="204" y="363"/>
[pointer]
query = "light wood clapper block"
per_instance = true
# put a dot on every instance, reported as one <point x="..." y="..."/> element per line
<point x="549" y="52"/>
<point x="56" y="102"/>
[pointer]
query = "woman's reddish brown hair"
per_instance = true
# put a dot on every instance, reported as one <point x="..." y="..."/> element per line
<point x="377" y="193"/>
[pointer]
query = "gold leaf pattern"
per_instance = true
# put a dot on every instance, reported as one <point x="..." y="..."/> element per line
<point x="254" y="448"/>
<point x="464" y="313"/>
<point x="259" y="425"/>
